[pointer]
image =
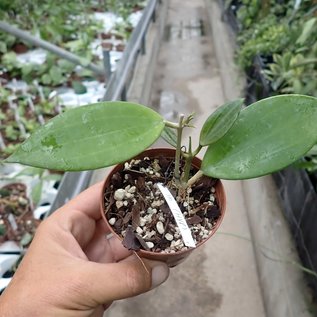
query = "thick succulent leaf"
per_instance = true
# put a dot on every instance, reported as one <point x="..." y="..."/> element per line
<point x="169" y="135"/>
<point x="267" y="136"/>
<point x="91" y="137"/>
<point x="219" y="122"/>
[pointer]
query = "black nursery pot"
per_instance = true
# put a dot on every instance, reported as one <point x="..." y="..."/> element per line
<point x="171" y="259"/>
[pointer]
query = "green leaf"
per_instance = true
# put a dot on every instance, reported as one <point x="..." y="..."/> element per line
<point x="79" y="87"/>
<point x="56" y="75"/>
<point x="219" y="122"/>
<point x="46" y="79"/>
<point x="91" y="137"/>
<point x="3" y="50"/>
<point x="53" y="177"/>
<point x="30" y="171"/>
<point x="2" y="229"/>
<point x="268" y="136"/>
<point x="26" y="239"/>
<point x="313" y="150"/>
<point x="84" y="61"/>
<point x="65" y="66"/>
<point x="307" y="30"/>
<point x="169" y="135"/>
<point x="36" y="193"/>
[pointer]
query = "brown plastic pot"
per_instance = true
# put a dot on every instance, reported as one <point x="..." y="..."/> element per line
<point x="171" y="259"/>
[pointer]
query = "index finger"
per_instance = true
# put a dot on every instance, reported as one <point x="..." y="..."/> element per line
<point x="88" y="202"/>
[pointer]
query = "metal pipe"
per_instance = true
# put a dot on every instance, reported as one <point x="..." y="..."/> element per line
<point x="26" y="36"/>
<point x="106" y="63"/>
<point x="74" y="182"/>
<point x="118" y="80"/>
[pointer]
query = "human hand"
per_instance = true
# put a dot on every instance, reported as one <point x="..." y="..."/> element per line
<point x="72" y="269"/>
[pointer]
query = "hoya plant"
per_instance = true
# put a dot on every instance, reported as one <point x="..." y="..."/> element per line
<point x="241" y="142"/>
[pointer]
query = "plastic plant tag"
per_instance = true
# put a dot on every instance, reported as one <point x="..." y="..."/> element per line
<point x="178" y="216"/>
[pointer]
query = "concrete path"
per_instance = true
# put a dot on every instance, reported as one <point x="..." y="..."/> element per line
<point x="220" y="279"/>
<point x="249" y="268"/>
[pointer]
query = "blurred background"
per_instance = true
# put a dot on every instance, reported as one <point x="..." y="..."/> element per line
<point x="176" y="57"/>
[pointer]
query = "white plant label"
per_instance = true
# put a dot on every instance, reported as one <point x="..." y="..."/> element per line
<point x="179" y="218"/>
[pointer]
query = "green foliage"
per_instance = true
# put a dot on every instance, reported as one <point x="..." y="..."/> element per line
<point x="91" y="136"/>
<point x="295" y="70"/>
<point x="6" y="42"/>
<point x="78" y="87"/>
<point x="68" y="23"/>
<point x="28" y="118"/>
<point x="291" y="57"/>
<point x="169" y="135"/>
<point x="56" y="21"/>
<point x="4" y="94"/>
<point x="248" y="12"/>
<point x="123" y="29"/>
<point x="307" y="31"/>
<point x="286" y="33"/>
<point x="123" y="8"/>
<point x="53" y="72"/>
<point x="293" y="73"/>
<point x="12" y="132"/>
<point x="268" y="135"/>
<point x="45" y="107"/>
<point x="40" y="176"/>
<point x="30" y="124"/>
<point x="264" y="39"/>
<point x="10" y="149"/>
<point x="220" y="122"/>
<point x="2" y="229"/>
<point x="262" y="139"/>
<point x="9" y="61"/>
<point x="26" y="239"/>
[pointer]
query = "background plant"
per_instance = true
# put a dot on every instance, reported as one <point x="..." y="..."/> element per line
<point x="117" y="131"/>
<point x="279" y="39"/>
<point x="55" y="21"/>
<point x="295" y="69"/>
<point x="69" y="24"/>
<point x="271" y="27"/>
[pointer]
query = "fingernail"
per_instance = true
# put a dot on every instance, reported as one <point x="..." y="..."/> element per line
<point x="159" y="274"/>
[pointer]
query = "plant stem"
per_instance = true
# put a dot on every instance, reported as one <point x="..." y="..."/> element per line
<point x="197" y="150"/>
<point x="171" y="124"/>
<point x="178" y="147"/>
<point x="188" y="161"/>
<point x="195" y="178"/>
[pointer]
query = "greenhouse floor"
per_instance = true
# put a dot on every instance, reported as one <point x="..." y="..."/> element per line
<point x="239" y="272"/>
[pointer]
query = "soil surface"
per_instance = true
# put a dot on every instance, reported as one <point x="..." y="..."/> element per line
<point x="138" y="212"/>
<point x="16" y="219"/>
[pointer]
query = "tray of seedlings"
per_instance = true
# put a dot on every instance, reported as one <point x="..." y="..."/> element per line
<point x="36" y="85"/>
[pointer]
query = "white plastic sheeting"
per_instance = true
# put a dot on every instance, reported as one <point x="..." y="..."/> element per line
<point x="36" y="56"/>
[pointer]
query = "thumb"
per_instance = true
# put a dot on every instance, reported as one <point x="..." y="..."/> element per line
<point x="129" y="277"/>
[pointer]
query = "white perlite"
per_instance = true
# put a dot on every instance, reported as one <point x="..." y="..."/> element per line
<point x="169" y="237"/>
<point x="150" y="244"/>
<point x="160" y="227"/>
<point x="119" y="194"/>
<point x="119" y="204"/>
<point x="112" y="221"/>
